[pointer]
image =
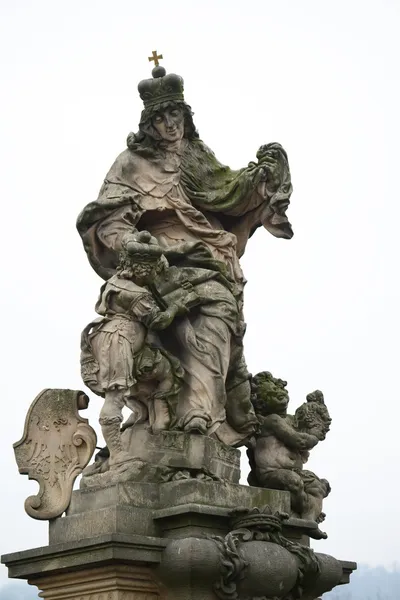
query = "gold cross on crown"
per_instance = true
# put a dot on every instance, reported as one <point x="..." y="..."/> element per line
<point x="155" y="57"/>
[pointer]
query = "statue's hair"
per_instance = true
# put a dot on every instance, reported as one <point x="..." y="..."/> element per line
<point x="312" y="412"/>
<point x="147" y="140"/>
<point x="264" y="388"/>
<point x="129" y="267"/>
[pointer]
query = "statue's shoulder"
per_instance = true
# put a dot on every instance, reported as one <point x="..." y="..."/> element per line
<point x="127" y="158"/>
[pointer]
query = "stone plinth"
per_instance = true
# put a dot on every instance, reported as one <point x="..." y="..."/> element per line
<point x="119" y="582"/>
<point x="173" y="509"/>
<point x="166" y="456"/>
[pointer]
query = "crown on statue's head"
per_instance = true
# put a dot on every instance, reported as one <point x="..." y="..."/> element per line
<point x="162" y="87"/>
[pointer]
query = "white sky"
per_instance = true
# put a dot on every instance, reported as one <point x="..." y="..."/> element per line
<point x="319" y="76"/>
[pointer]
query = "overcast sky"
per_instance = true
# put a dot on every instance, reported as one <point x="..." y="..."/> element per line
<point x="319" y="76"/>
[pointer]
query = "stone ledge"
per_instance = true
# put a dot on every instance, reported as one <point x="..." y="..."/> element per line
<point x="348" y="567"/>
<point x="192" y="520"/>
<point x="97" y="551"/>
<point x="138" y="509"/>
<point x="111" y="520"/>
<point x="158" y="496"/>
<point x="185" y="509"/>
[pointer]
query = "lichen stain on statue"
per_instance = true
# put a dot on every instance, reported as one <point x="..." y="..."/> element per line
<point x="56" y="446"/>
<point x="166" y="234"/>
<point x="282" y="445"/>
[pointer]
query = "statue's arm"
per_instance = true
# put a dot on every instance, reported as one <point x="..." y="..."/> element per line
<point x="288" y="434"/>
<point x="113" y="228"/>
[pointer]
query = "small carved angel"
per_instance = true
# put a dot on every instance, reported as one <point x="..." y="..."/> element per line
<point x="281" y="448"/>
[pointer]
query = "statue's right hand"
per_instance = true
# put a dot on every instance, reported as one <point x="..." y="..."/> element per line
<point x="141" y="241"/>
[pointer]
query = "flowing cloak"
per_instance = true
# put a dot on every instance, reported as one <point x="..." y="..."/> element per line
<point x="231" y="196"/>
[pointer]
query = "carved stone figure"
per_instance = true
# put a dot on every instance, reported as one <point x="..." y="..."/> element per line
<point x="120" y="357"/>
<point x="281" y="447"/>
<point x="169" y="183"/>
<point x="56" y="446"/>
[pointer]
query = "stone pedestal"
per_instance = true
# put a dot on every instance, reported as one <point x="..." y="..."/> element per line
<point x="180" y="540"/>
<point x="172" y="509"/>
<point x="119" y="582"/>
<point x="166" y="456"/>
<point x="110" y="567"/>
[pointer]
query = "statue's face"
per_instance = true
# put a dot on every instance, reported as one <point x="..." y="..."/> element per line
<point x="319" y="429"/>
<point x="276" y="398"/>
<point x="279" y="401"/>
<point x="170" y="124"/>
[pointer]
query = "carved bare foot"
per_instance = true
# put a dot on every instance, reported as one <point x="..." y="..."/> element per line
<point x="197" y="425"/>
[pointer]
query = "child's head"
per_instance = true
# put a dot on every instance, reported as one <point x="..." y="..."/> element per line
<point x="313" y="416"/>
<point x="269" y="395"/>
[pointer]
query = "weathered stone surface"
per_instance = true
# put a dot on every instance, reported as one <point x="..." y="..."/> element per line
<point x="104" y="521"/>
<point x="106" y="568"/>
<point x="189" y="568"/>
<point x="282" y="445"/>
<point x="93" y="552"/>
<point x="253" y="560"/>
<point x="173" y="509"/>
<point x="160" y="514"/>
<point x="221" y="495"/>
<point x="56" y="446"/>
<point x="166" y="234"/>
<point x="166" y="456"/>
<point x="119" y="582"/>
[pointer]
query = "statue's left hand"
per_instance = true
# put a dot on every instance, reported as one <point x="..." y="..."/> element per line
<point x="163" y="319"/>
<point x="270" y="173"/>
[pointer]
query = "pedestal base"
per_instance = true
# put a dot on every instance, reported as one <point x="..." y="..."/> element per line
<point x="119" y="582"/>
<point x="184" y="540"/>
<point x="173" y="509"/>
<point x="109" y="567"/>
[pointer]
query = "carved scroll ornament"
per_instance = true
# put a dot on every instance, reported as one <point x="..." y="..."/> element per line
<point x="56" y="446"/>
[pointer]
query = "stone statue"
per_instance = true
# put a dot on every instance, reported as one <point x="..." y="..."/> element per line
<point x="281" y="447"/>
<point x="160" y="513"/>
<point x="169" y="183"/>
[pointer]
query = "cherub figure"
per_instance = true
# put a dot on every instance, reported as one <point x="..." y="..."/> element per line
<point x="281" y="447"/>
<point x="121" y="358"/>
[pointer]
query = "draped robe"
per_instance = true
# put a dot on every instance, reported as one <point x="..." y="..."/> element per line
<point x="202" y="214"/>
